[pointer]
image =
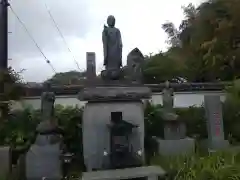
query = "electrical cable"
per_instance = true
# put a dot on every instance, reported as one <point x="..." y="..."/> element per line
<point x="31" y="37"/>
<point x="60" y="33"/>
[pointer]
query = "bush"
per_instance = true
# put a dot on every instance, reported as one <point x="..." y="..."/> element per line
<point x="19" y="131"/>
<point x="20" y="128"/>
<point x="70" y="120"/>
<point x="194" y="118"/>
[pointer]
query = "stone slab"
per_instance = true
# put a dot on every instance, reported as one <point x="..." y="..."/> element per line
<point x="127" y="173"/>
<point x="108" y="93"/>
<point x="176" y="147"/>
<point x="96" y="134"/>
<point x="5" y="158"/>
<point x="213" y="111"/>
<point x="215" y="145"/>
<point x="43" y="161"/>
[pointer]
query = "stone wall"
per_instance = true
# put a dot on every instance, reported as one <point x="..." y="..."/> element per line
<point x="182" y="99"/>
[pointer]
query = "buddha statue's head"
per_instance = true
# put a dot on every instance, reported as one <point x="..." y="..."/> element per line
<point x="111" y="21"/>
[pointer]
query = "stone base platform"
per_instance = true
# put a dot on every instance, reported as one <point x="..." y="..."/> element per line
<point x="176" y="147"/>
<point x="43" y="161"/>
<point x="214" y="144"/>
<point x="151" y="172"/>
<point x="110" y="93"/>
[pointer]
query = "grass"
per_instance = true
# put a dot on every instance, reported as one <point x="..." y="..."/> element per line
<point x="213" y="166"/>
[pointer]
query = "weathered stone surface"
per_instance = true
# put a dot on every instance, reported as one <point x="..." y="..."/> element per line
<point x="112" y="45"/>
<point x="91" y="65"/>
<point x="213" y="110"/>
<point x="135" y="60"/>
<point x="43" y="161"/>
<point x="146" y="171"/>
<point x="114" y="93"/>
<point x="174" y="131"/>
<point x="96" y="134"/>
<point x="5" y="163"/>
<point x="176" y="147"/>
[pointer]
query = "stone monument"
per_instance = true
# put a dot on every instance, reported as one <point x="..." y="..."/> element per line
<point x="112" y="50"/>
<point x="175" y="141"/>
<point x="213" y="110"/>
<point x="135" y="61"/>
<point x="91" y="65"/>
<point x="105" y="99"/>
<point x="43" y="158"/>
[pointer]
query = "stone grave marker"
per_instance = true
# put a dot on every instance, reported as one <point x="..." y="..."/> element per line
<point x="43" y="160"/>
<point x="175" y="141"/>
<point x="213" y="111"/>
<point x="91" y="65"/>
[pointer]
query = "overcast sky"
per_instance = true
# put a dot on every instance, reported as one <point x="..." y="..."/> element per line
<point x="81" y="22"/>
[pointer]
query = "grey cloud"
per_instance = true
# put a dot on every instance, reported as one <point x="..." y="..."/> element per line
<point x="73" y="18"/>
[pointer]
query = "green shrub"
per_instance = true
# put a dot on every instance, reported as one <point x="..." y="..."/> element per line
<point x="70" y="120"/>
<point x="231" y="109"/>
<point x="20" y="127"/>
<point x="194" y="118"/>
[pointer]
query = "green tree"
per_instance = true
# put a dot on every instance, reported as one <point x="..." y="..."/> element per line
<point x="13" y="89"/>
<point x="68" y="78"/>
<point x="159" y="68"/>
<point x="207" y="40"/>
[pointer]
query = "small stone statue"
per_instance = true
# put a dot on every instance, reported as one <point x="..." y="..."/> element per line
<point x="47" y="103"/>
<point x="112" y="46"/>
<point x="167" y="97"/>
<point x="47" y="109"/>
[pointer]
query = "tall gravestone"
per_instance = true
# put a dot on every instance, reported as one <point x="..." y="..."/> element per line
<point x="135" y="60"/>
<point x="43" y="160"/>
<point x="213" y="111"/>
<point x="91" y="65"/>
<point x="105" y="99"/>
<point x="175" y="141"/>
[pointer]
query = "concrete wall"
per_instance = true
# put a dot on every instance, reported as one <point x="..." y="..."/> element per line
<point x="182" y="99"/>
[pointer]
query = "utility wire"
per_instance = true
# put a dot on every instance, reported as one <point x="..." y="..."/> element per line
<point x="60" y="33"/>
<point x="29" y="34"/>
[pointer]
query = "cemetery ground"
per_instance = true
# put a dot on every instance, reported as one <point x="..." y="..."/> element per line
<point x="18" y="133"/>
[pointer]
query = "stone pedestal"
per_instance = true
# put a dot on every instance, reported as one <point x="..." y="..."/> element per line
<point x="176" y="147"/>
<point x="175" y="141"/>
<point x="97" y="115"/>
<point x="44" y="158"/>
<point x="43" y="161"/>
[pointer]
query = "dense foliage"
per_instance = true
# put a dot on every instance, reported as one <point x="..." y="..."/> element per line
<point x="68" y="78"/>
<point x="11" y="82"/>
<point x="204" y="48"/>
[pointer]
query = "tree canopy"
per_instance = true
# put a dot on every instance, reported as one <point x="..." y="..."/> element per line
<point x="67" y="78"/>
<point x="205" y="47"/>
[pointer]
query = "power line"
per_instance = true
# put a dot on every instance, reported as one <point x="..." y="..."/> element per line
<point x="29" y="34"/>
<point x="60" y="33"/>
